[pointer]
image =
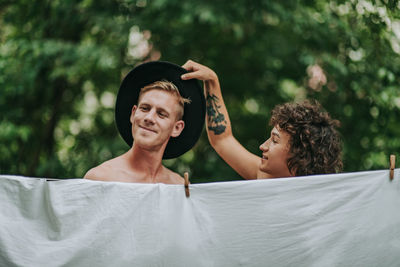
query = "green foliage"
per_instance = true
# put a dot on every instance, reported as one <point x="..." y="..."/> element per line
<point x="61" y="63"/>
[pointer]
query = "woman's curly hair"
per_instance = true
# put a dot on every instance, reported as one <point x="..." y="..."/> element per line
<point x="315" y="144"/>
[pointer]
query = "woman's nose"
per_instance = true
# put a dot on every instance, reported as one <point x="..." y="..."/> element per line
<point x="264" y="146"/>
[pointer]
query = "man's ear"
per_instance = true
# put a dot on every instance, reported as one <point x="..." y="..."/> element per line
<point x="178" y="128"/>
<point x="133" y="113"/>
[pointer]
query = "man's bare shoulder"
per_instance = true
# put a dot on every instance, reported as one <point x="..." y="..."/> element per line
<point x="104" y="171"/>
<point x="173" y="177"/>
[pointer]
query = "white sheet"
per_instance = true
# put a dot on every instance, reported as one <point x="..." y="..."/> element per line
<point x="350" y="219"/>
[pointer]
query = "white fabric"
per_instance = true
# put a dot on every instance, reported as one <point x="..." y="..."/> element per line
<point x="350" y="219"/>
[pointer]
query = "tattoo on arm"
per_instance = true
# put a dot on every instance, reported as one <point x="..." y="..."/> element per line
<point x="216" y="120"/>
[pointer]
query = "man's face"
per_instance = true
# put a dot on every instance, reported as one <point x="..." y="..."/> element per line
<point x="154" y="120"/>
<point x="275" y="153"/>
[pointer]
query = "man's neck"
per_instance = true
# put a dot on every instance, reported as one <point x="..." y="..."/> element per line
<point x="146" y="163"/>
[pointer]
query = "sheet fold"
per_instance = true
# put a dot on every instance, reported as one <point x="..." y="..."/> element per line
<point x="349" y="219"/>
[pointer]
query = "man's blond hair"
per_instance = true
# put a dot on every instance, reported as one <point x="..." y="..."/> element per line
<point x="171" y="88"/>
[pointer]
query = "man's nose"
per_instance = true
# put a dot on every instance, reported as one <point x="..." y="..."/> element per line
<point x="149" y="118"/>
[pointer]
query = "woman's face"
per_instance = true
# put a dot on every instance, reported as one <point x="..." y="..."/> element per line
<point x="275" y="153"/>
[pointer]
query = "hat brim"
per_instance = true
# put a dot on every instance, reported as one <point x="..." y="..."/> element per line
<point x="194" y="113"/>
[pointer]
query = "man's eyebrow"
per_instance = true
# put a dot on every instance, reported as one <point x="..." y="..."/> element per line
<point x="162" y="110"/>
<point x="159" y="109"/>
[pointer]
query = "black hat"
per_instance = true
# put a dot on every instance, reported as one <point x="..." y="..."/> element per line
<point x="194" y="113"/>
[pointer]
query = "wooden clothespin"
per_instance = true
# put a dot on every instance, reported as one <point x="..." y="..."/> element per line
<point x="186" y="176"/>
<point x="392" y="166"/>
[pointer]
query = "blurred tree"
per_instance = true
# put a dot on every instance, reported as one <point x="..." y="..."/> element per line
<point x="61" y="63"/>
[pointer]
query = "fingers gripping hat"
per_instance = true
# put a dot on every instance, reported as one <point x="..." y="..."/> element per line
<point x="194" y="113"/>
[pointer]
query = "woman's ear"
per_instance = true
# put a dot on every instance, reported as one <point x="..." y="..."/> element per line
<point x="178" y="128"/>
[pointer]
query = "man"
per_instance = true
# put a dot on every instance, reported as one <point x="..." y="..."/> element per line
<point x="157" y="121"/>
<point x="303" y="141"/>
